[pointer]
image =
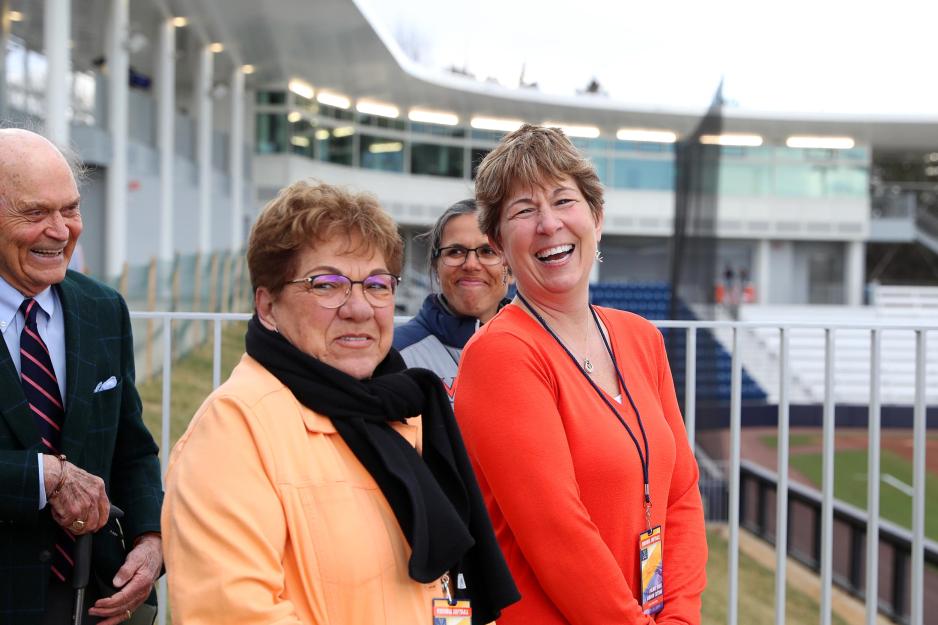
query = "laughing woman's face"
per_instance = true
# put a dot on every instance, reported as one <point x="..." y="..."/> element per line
<point x="549" y="238"/>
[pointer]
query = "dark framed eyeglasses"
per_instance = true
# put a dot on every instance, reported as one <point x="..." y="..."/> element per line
<point x="332" y="290"/>
<point x="456" y="255"/>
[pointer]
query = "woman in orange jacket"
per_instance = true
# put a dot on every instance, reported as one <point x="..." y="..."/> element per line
<point x="323" y="483"/>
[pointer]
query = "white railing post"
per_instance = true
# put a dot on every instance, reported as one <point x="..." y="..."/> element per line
<point x="690" y="387"/>
<point x="166" y="420"/>
<point x="918" y="484"/>
<point x="872" y="484"/>
<point x="735" y="432"/>
<point x="216" y="355"/>
<point x="827" y="480"/>
<point x="781" y="506"/>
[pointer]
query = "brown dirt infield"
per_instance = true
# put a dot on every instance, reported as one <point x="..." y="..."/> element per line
<point x="809" y="440"/>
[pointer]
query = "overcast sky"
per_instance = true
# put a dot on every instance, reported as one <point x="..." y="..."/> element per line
<point x="818" y="56"/>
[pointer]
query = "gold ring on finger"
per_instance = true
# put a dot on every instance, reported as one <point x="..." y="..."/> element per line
<point x="127" y="615"/>
<point x="77" y="526"/>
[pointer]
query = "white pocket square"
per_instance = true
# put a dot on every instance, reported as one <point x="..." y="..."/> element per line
<point x="106" y="385"/>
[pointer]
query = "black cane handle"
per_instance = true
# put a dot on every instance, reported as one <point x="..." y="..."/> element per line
<point x="82" y="553"/>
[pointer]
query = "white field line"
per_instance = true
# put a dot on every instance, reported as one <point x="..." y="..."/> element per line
<point x="898" y="484"/>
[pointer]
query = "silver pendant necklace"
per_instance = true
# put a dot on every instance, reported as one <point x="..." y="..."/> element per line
<point x="587" y="363"/>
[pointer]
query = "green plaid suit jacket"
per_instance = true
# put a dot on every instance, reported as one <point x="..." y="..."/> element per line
<point x="103" y="434"/>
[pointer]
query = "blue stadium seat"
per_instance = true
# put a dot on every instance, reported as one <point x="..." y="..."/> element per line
<point x="714" y="365"/>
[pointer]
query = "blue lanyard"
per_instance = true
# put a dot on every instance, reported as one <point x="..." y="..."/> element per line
<point x="643" y="457"/>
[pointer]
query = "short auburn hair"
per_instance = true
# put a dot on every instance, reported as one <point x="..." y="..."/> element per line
<point x="305" y="213"/>
<point x="530" y="156"/>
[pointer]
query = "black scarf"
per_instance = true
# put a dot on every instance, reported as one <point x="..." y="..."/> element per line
<point x="435" y="497"/>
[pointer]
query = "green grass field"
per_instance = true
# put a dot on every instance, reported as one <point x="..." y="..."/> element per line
<point x="794" y="440"/>
<point x="850" y="468"/>
<point x="192" y="382"/>
<point x="756" y="591"/>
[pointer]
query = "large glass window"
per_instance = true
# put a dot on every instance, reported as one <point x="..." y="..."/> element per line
<point x="601" y="163"/>
<point x="437" y="129"/>
<point x="336" y="113"/>
<point x="744" y="179"/>
<point x="643" y="146"/>
<point x="848" y="181"/>
<point x="855" y="154"/>
<point x="381" y="153"/>
<point x="335" y="145"/>
<point x="302" y="138"/>
<point x="488" y="135"/>
<point x="800" y="180"/>
<point x="436" y="160"/>
<point x="26" y="78"/>
<point x="84" y="87"/>
<point x="643" y="174"/>
<point x="303" y="103"/>
<point x="381" y="122"/>
<point x="271" y="133"/>
<point x="271" y="97"/>
<point x="476" y="156"/>
<point x="587" y="145"/>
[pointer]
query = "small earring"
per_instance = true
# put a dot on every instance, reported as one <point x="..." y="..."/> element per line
<point x="505" y="275"/>
<point x="599" y="256"/>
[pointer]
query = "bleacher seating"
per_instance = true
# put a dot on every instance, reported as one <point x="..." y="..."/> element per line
<point x="851" y="352"/>
<point x="714" y="365"/>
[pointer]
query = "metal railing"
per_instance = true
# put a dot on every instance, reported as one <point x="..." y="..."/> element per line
<point x="782" y="487"/>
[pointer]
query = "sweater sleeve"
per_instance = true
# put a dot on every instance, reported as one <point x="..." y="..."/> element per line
<point x="506" y="404"/>
<point x="224" y="529"/>
<point x="685" y="540"/>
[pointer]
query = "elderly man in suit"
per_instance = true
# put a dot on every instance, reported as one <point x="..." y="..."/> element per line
<point x="71" y="435"/>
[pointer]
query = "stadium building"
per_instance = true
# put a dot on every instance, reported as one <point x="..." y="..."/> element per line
<point x="225" y="103"/>
<point x="217" y="104"/>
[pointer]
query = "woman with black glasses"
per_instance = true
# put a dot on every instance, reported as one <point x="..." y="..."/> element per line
<point x="324" y="482"/>
<point x="473" y="281"/>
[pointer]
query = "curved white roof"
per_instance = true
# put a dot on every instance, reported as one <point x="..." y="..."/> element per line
<point x="334" y="44"/>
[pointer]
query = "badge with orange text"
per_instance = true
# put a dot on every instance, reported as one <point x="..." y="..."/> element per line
<point x="445" y="613"/>
<point x="649" y="545"/>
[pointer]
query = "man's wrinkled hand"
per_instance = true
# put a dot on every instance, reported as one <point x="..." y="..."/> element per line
<point x="80" y="504"/>
<point x="134" y="580"/>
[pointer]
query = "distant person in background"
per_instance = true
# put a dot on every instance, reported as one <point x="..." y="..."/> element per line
<point x="570" y="416"/>
<point x="71" y="436"/>
<point x="748" y="290"/>
<point x="729" y="286"/>
<point x="324" y="483"/>
<point x="473" y="281"/>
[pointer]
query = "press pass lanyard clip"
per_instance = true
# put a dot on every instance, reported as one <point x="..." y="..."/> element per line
<point x="647" y="506"/>
<point x="447" y="591"/>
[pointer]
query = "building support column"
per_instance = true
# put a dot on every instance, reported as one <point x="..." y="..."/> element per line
<point x="855" y="278"/>
<point x="236" y="159"/>
<point x="6" y="26"/>
<point x="763" y="267"/>
<point x="203" y="97"/>
<point x="166" y="137"/>
<point x="57" y="26"/>
<point x="118" y="65"/>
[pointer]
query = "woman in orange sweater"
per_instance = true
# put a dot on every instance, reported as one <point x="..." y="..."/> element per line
<point x="569" y="413"/>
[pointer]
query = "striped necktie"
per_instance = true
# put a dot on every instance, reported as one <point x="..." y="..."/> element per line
<point x="41" y="388"/>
